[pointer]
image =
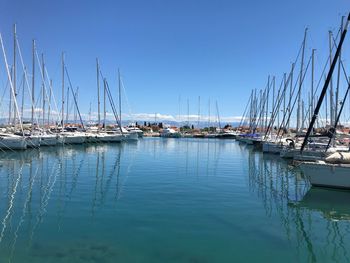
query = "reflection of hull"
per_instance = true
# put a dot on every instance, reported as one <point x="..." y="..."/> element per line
<point x="171" y="135"/>
<point x="248" y="141"/>
<point x="333" y="204"/>
<point x="327" y="175"/>
<point x="226" y="136"/>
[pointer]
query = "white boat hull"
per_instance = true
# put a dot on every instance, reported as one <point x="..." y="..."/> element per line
<point x="111" y="138"/>
<point x="71" y="138"/>
<point x="13" y="143"/>
<point x="327" y="175"/>
<point x="49" y="140"/>
<point x="131" y="136"/>
<point x="33" y="141"/>
<point x="271" y="147"/>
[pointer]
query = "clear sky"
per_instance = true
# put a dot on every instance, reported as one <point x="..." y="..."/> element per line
<point x="165" y="49"/>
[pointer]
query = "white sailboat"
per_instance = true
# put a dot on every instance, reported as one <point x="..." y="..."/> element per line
<point x="334" y="171"/>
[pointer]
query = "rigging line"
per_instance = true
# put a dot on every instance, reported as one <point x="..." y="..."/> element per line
<point x="262" y="108"/>
<point x="277" y="106"/>
<point x="295" y="100"/>
<point x="325" y="86"/>
<point x="279" y="101"/>
<point x="11" y="84"/>
<point x="75" y="101"/>
<point x="126" y="98"/>
<point x="245" y="111"/>
<point x="26" y="77"/>
<point x="115" y="112"/>
<point x="44" y="82"/>
<point x="53" y="96"/>
<point x="342" y="64"/>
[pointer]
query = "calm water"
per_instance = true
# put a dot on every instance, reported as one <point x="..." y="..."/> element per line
<point x="166" y="200"/>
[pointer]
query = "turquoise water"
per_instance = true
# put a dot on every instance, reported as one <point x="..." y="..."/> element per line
<point x="166" y="200"/>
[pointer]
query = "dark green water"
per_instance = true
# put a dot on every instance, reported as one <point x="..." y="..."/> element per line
<point x="166" y="200"/>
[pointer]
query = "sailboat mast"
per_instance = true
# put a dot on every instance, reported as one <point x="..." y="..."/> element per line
<point x="299" y="113"/>
<point x="22" y="105"/>
<point x="33" y="83"/>
<point x="284" y="97"/>
<point x="199" y="110"/>
<point x="43" y="86"/>
<point x="120" y="100"/>
<point x="217" y="110"/>
<point x="98" y="94"/>
<point x="104" y="104"/>
<point x="14" y="71"/>
<point x="290" y="95"/>
<point x="62" y="119"/>
<point x="328" y="80"/>
<point x="331" y="92"/>
<point x="49" y="110"/>
<point x="338" y="77"/>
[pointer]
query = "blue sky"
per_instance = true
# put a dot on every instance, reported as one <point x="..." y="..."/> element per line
<point x="213" y="49"/>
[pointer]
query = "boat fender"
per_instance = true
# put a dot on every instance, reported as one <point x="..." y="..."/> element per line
<point x="291" y="143"/>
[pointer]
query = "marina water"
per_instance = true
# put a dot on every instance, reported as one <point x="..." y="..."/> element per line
<point x="165" y="200"/>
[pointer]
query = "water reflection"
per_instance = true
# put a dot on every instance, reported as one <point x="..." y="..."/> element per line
<point x="42" y="183"/>
<point x="286" y="194"/>
<point x="104" y="202"/>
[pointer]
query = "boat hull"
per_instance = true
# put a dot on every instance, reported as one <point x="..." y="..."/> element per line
<point x="33" y="141"/>
<point x="10" y="143"/>
<point x="327" y="175"/>
<point x="270" y="147"/>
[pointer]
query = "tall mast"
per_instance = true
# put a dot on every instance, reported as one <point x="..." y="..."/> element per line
<point x="217" y="110"/>
<point x="338" y="77"/>
<point x="284" y="97"/>
<point x="290" y="95"/>
<point x="10" y="104"/>
<point x="301" y="83"/>
<point x="43" y="85"/>
<point x="11" y="84"/>
<point x="22" y="104"/>
<point x="328" y="80"/>
<point x="98" y="94"/>
<point x="104" y="104"/>
<point x="33" y="82"/>
<point x="120" y="100"/>
<point x="312" y="78"/>
<point x="49" y="110"/>
<point x="14" y="70"/>
<point x="331" y="92"/>
<point x="62" y="120"/>
<point x="267" y="102"/>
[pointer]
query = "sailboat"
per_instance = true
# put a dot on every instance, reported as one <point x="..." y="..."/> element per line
<point x="9" y="141"/>
<point x="323" y="173"/>
<point x="69" y="135"/>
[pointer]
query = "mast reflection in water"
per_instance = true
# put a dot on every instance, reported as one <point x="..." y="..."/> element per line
<point x="165" y="200"/>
